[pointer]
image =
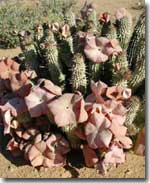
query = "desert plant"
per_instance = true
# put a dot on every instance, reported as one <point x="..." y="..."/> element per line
<point x="96" y="103"/>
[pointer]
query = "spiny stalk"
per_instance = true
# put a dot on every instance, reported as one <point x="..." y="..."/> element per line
<point x="78" y="77"/>
<point x="124" y="27"/>
<point x="137" y="36"/>
<point x="29" y="51"/>
<point x="51" y="56"/>
<point x="133" y="106"/>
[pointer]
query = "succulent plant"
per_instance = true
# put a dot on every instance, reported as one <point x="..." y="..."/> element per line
<point x="90" y="95"/>
<point x="124" y="26"/>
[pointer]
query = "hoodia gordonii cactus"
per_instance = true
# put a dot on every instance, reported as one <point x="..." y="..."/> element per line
<point x="137" y="36"/>
<point x="139" y="68"/>
<point x="120" y="71"/>
<point x="88" y="13"/>
<point x="66" y="47"/>
<point x="69" y="17"/>
<point x="106" y="26"/>
<point x="51" y="56"/>
<point x="133" y="106"/>
<point x="30" y="56"/>
<point x="78" y="78"/>
<point x="124" y="26"/>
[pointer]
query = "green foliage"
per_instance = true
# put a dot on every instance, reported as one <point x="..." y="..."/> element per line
<point x="18" y="15"/>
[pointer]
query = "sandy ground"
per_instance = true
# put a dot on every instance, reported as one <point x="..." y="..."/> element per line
<point x="134" y="167"/>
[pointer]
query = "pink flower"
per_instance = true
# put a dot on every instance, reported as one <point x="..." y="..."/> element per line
<point x="118" y="93"/>
<point x="39" y="96"/>
<point x="114" y="111"/>
<point x="8" y="67"/>
<point x="65" y="31"/>
<point x="97" y="131"/>
<point x="99" y="89"/>
<point x="92" y="51"/>
<point x="104" y="17"/>
<point x="20" y="84"/>
<point x="13" y="108"/>
<point x="114" y="156"/>
<point x="90" y="156"/>
<point x="119" y="132"/>
<point x="49" y="153"/>
<point x="16" y="106"/>
<point x="68" y="109"/>
<point x="56" y="143"/>
<point x="112" y="48"/>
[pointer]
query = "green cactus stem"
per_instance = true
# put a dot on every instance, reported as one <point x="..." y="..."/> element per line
<point x="133" y="106"/>
<point x="91" y="20"/>
<point x="38" y="35"/>
<point x="51" y="56"/>
<point x="75" y="142"/>
<point x="139" y="72"/>
<point x="137" y="36"/>
<point x="29" y="52"/>
<point x="94" y="71"/>
<point x="70" y="18"/>
<point x="120" y="71"/>
<point x="66" y="48"/>
<point x="109" y="30"/>
<point x="124" y="29"/>
<point x="78" y="76"/>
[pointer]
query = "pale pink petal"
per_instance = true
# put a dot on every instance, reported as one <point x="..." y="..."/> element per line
<point x="114" y="156"/>
<point x="50" y="87"/>
<point x="90" y="156"/>
<point x="41" y="146"/>
<point x="37" y="161"/>
<point x="62" y="110"/>
<point x="65" y="30"/>
<point x="79" y="108"/>
<point x="96" y="131"/>
<point x="35" y="102"/>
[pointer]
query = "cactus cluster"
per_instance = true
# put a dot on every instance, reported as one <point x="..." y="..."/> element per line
<point x="89" y="65"/>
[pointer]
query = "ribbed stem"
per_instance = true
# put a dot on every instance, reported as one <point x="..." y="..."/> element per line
<point x="120" y="71"/>
<point x="124" y="30"/>
<point x="137" y="36"/>
<point x="30" y="53"/>
<point x="51" y="57"/>
<point x="78" y="77"/>
<point x="133" y="107"/>
<point x="75" y="142"/>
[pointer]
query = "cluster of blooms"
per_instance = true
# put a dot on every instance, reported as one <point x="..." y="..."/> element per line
<point x="28" y="111"/>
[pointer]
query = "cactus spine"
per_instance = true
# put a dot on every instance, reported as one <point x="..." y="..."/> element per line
<point x="70" y="18"/>
<point x="75" y="142"/>
<point x="29" y="52"/>
<point x="139" y="71"/>
<point x="51" y="57"/>
<point x="137" y="36"/>
<point x="78" y="77"/>
<point x="133" y="107"/>
<point x="120" y="71"/>
<point x="124" y="29"/>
